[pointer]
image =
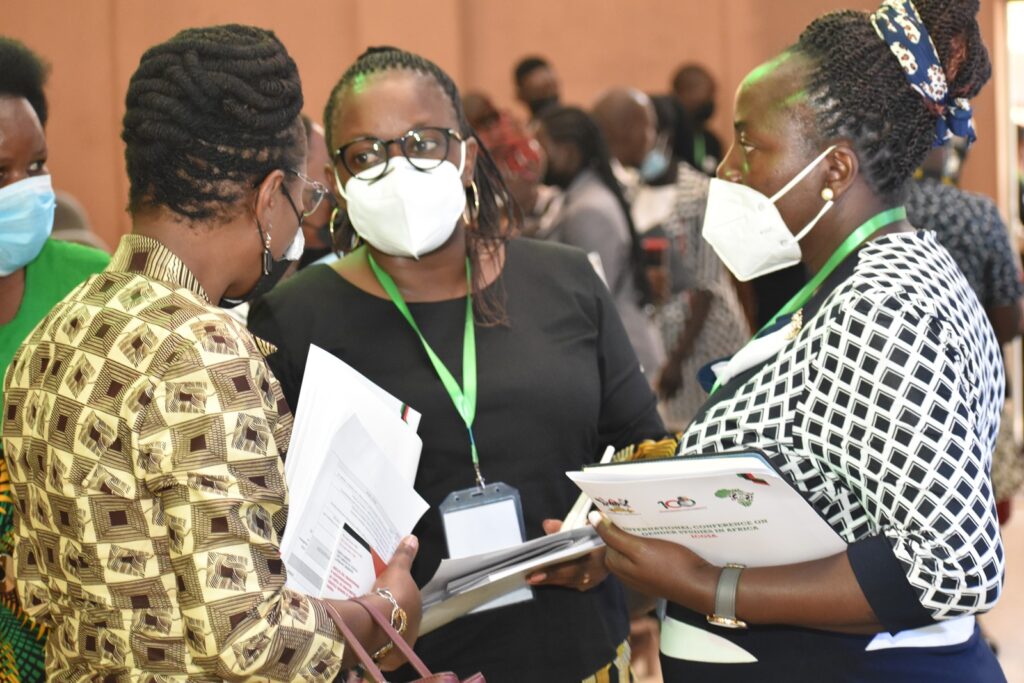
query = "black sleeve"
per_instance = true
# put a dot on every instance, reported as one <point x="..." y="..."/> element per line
<point x="883" y="580"/>
<point x="265" y="324"/>
<point x="629" y="409"/>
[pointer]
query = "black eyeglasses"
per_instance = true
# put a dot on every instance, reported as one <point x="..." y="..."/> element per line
<point x="312" y="194"/>
<point x="367" y="158"/>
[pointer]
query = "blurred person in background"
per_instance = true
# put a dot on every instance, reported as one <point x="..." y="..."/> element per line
<point x="537" y="86"/>
<point x="71" y="223"/>
<point x="700" y="317"/>
<point x="1020" y="174"/>
<point x="316" y="227"/>
<point x="694" y="89"/>
<point x="519" y="158"/>
<point x="595" y="217"/>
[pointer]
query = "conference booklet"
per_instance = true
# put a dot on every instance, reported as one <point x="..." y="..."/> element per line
<point x="729" y="507"/>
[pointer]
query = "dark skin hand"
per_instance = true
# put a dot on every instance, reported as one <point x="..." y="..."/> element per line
<point x="582" y="574"/>
<point x="766" y="595"/>
<point x="22" y="155"/>
<point x="397" y="579"/>
<point x="388" y="105"/>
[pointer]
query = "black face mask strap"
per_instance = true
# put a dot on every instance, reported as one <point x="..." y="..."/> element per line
<point x="268" y="258"/>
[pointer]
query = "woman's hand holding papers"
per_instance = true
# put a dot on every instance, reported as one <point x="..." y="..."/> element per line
<point x="657" y="567"/>
<point x="397" y="580"/>
<point x="815" y="594"/>
<point x="582" y="573"/>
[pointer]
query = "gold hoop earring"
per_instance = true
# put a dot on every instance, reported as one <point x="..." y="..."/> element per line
<point x="827" y="194"/>
<point x="470" y="217"/>
<point x="331" y="229"/>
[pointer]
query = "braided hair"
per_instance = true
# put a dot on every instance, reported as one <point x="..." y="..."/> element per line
<point x="498" y="217"/>
<point x="23" y="74"/>
<point x="857" y="89"/>
<point x="574" y="126"/>
<point x="209" y="114"/>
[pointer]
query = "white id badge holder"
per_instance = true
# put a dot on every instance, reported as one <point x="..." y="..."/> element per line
<point x="482" y="520"/>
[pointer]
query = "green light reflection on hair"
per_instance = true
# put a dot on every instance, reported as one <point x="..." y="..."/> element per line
<point x="765" y="70"/>
<point x="359" y="83"/>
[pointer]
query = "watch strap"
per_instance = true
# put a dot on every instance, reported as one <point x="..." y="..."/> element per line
<point x="725" y="598"/>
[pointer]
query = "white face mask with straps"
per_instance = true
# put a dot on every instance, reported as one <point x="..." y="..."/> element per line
<point x="407" y="212"/>
<point x="746" y="230"/>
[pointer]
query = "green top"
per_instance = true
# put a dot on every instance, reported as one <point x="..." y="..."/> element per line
<point x="59" y="268"/>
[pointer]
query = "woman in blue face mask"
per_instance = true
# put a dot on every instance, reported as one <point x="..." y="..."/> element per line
<point x="35" y="273"/>
<point x="875" y="392"/>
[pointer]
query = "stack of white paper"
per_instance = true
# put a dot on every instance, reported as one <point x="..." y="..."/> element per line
<point x="350" y="471"/>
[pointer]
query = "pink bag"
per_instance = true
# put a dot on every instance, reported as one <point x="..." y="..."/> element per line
<point x="371" y="667"/>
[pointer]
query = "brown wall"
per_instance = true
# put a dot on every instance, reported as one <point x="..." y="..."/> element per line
<point x="94" y="46"/>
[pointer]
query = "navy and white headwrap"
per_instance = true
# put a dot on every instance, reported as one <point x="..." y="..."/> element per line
<point x="899" y="25"/>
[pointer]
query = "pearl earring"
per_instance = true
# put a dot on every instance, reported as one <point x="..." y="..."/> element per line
<point x="827" y="194"/>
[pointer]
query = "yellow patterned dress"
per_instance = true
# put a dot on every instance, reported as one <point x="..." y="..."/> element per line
<point x="141" y="429"/>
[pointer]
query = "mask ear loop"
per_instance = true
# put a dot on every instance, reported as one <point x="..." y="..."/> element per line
<point x="796" y="179"/>
<point x="807" y="228"/>
<point x="800" y="176"/>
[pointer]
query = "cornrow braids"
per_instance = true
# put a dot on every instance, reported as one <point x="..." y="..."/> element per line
<point x="498" y="217"/>
<point x="209" y="114"/>
<point x="578" y="128"/>
<point x="858" y="90"/>
<point x="23" y="74"/>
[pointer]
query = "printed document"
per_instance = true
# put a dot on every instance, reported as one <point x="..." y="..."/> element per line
<point x="358" y="511"/>
<point x="726" y="508"/>
<point x="332" y="391"/>
<point x="350" y="469"/>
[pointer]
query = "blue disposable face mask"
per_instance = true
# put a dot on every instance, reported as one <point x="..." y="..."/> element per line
<point x="654" y="165"/>
<point x="657" y="161"/>
<point x="26" y="219"/>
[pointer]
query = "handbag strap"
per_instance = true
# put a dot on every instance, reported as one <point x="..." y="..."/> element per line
<point x="366" y="658"/>
<point x="395" y="637"/>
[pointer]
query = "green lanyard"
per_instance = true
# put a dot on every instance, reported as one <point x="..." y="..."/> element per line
<point x="699" y="151"/>
<point x="464" y="399"/>
<point x="851" y="244"/>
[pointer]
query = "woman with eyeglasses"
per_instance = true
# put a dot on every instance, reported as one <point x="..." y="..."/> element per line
<point x="512" y="351"/>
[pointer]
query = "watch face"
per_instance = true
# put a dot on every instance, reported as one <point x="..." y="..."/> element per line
<point x="725" y="622"/>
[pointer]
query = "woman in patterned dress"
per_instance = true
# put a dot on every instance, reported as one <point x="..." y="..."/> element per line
<point x="876" y="395"/>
